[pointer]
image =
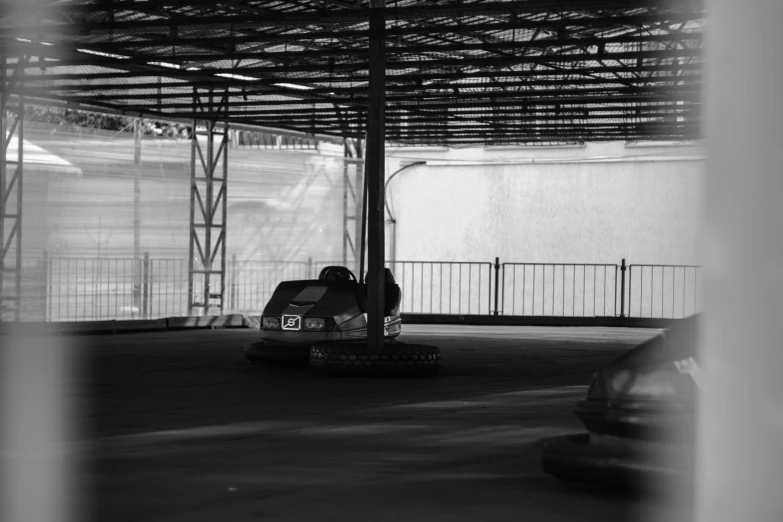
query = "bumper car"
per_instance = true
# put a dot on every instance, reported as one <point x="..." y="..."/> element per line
<point x="639" y="416"/>
<point x="333" y="307"/>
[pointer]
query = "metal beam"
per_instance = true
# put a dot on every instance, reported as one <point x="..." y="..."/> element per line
<point x="143" y="112"/>
<point x="183" y="108"/>
<point x="144" y="61"/>
<point x="317" y="76"/>
<point x="208" y="207"/>
<point x="169" y="49"/>
<point x="403" y="16"/>
<point x="456" y="81"/>
<point x="11" y="195"/>
<point x="511" y="117"/>
<point x="423" y="95"/>
<point x="518" y="108"/>
<point x="375" y="178"/>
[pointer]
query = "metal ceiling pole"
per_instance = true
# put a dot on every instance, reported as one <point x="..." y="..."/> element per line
<point x="11" y="184"/>
<point x="375" y="174"/>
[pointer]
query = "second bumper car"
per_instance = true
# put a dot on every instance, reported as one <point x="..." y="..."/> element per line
<point x="639" y="413"/>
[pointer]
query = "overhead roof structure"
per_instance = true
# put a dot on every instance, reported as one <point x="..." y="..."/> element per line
<point x="459" y="73"/>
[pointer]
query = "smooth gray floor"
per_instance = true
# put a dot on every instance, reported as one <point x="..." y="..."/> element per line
<point x="184" y="429"/>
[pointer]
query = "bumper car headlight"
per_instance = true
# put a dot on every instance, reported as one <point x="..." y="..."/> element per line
<point x="314" y="324"/>
<point x="271" y="323"/>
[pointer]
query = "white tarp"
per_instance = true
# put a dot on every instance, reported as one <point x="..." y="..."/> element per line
<point x="33" y="155"/>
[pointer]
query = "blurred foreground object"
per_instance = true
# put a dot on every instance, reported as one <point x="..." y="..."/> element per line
<point x="740" y="420"/>
<point x="39" y="476"/>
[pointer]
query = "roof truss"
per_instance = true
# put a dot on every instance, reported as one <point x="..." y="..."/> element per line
<point x="457" y="73"/>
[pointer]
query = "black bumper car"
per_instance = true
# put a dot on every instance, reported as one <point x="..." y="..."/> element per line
<point x="639" y="414"/>
<point x="330" y="308"/>
<point x="323" y="323"/>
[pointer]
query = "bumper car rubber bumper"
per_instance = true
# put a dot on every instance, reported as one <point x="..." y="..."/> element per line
<point x="614" y="461"/>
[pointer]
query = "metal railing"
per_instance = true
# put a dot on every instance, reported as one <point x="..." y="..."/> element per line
<point x="663" y="291"/>
<point x="559" y="289"/>
<point x="83" y="289"/>
<point x="444" y="287"/>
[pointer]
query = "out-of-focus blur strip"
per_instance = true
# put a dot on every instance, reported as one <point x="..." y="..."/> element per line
<point x="740" y="450"/>
<point x="39" y="481"/>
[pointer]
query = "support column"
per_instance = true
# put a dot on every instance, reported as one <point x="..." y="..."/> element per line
<point x="11" y="191"/>
<point x="375" y="175"/>
<point x="208" y="211"/>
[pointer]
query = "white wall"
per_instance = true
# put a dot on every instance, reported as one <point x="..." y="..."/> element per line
<point x="593" y="204"/>
<point x="597" y="203"/>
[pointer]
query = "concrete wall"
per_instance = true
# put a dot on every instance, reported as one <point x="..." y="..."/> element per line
<point x="593" y="204"/>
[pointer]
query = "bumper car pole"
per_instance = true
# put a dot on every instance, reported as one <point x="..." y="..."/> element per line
<point x="374" y="174"/>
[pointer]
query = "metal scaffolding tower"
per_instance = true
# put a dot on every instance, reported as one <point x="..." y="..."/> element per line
<point x="208" y="194"/>
<point x="11" y="189"/>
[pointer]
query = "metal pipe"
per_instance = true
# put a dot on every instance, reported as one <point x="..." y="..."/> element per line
<point x="363" y="239"/>
<point x="386" y="187"/>
<point x="375" y="175"/>
<point x="392" y="219"/>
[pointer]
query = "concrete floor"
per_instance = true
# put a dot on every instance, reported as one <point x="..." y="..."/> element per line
<point x="184" y="429"/>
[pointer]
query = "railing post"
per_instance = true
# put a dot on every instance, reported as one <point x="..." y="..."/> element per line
<point x="233" y="288"/>
<point x="145" y="285"/>
<point x="622" y="288"/>
<point x="309" y="268"/>
<point x="45" y="285"/>
<point x="497" y="283"/>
